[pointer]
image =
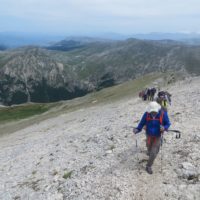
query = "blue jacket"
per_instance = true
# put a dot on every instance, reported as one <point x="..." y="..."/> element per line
<point x="153" y="125"/>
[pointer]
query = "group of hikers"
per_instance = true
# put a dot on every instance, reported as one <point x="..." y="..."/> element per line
<point x="147" y="94"/>
<point x="155" y="122"/>
<point x="163" y="97"/>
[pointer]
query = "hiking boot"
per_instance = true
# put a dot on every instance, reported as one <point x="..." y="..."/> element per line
<point x="149" y="170"/>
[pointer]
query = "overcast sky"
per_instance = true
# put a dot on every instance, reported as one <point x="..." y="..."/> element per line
<point x="93" y="16"/>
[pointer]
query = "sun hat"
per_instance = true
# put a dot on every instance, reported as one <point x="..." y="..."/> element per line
<point x="153" y="107"/>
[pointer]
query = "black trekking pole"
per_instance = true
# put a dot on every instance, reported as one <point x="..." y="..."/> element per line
<point x="178" y="133"/>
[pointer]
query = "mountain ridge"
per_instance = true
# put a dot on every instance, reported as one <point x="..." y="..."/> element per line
<point x="39" y="75"/>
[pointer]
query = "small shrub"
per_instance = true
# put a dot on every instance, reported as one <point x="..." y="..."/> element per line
<point x="34" y="172"/>
<point x="67" y="175"/>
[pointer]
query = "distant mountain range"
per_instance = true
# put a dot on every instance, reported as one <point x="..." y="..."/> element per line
<point x="3" y="48"/>
<point x="75" y="67"/>
<point x="14" y="40"/>
<point x="169" y="36"/>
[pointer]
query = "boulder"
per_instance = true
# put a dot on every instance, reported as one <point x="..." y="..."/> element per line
<point x="188" y="171"/>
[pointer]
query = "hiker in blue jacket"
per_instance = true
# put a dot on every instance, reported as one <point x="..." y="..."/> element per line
<point x="156" y="121"/>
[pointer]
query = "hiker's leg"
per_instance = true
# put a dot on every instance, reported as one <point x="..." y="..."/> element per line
<point x="154" y="151"/>
<point x="148" y="144"/>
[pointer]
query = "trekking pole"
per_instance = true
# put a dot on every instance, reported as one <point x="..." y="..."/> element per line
<point x="161" y="143"/>
<point x="136" y="144"/>
<point x="136" y="147"/>
<point x="178" y="133"/>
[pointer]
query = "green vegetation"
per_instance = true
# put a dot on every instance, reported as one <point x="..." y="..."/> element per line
<point x="104" y="96"/>
<point x="192" y="61"/>
<point x="128" y="89"/>
<point x="67" y="175"/>
<point x="2" y="60"/>
<point x="34" y="172"/>
<point x="109" y="95"/>
<point x="22" y="111"/>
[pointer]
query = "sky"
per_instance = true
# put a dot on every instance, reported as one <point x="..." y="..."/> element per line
<point x="99" y="16"/>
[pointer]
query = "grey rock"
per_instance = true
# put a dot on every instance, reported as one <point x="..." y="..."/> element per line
<point x="188" y="171"/>
<point x="101" y="173"/>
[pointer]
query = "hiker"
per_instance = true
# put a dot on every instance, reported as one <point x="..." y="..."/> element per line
<point x="149" y="94"/>
<point x="145" y="94"/>
<point x="153" y="92"/>
<point x="156" y="122"/>
<point x="162" y="100"/>
<point x="141" y="94"/>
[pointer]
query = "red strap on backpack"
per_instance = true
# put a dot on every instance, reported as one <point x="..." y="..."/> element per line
<point x="161" y="117"/>
<point x="148" y="118"/>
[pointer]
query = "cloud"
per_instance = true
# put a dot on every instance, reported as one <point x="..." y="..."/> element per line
<point x="85" y="15"/>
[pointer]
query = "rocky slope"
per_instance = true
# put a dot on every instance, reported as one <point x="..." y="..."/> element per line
<point x="91" y="154"/>
<point x="29" y="74"/>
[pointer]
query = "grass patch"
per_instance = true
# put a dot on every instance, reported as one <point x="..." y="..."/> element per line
<point x="111" y="94"/>
<point x="67" y="175"/>
<point x="108" y="95"/>
<point x="22" y="111"/>
<point x="128" y="89"/>
<point x="34" y="172"/>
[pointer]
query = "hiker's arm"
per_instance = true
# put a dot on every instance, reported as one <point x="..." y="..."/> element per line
<point x="166" y="121"/>
<point x="142" y="122"/>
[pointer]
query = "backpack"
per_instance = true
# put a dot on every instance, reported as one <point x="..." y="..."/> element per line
<point x="148" y="118"/>
<point x="161" y="94"/>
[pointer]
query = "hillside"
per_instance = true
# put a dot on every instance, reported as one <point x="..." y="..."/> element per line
<point x="16" y="117"/>
<point x="91" y="154"/>
<point x="32" y="74"/>
<point x="29" y="74"/>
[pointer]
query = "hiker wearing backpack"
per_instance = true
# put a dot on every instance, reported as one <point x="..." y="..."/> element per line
<point x="156" y="122"/>
<point x="162" y="100"/>
<point x="153" y="92"/>
<point x="149" y="94"/>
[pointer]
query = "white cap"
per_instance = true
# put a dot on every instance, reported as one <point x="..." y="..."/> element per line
<point x="153" y="107"/>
